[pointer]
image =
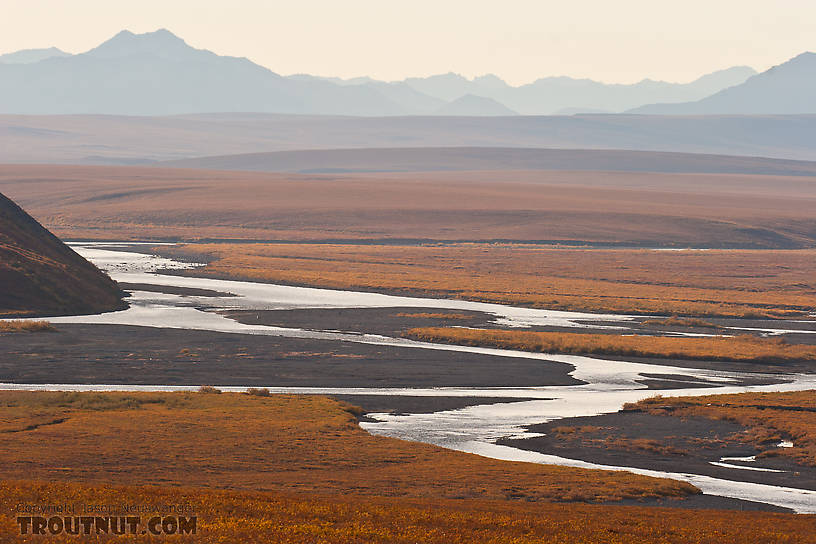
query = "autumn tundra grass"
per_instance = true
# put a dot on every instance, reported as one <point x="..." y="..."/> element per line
<point x="27" y="325"/>
<point x="258" y="442"/>
<point x="434" y="315"/>
<point x="682" y="322"/>
<point x="736" y="283"/>
<point x="769" y="418"/>
<point x="286" y="518"/>
<point x="718" y="348"/>
<point x="298" y="469"/>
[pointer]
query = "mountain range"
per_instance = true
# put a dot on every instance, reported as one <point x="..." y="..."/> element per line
<point x="789" y="88"/>
<point x="158" y="73"/>
<point x="565" y="95"/>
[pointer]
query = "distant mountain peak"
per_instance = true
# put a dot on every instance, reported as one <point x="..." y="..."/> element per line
<point x="158" y="34"/>
<point x="490" y="81"/>
<point x="160" y="42"/>
<point x="805" y="60"/>
<point x="788" y="88"/>
<point x="448" y="76"/>
<point x="30" y="56"/>
<point x="474" y="105"/>
<point x="488" y="77"/>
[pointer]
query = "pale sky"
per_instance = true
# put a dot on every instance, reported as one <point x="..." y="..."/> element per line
<point x="619" y="41"/>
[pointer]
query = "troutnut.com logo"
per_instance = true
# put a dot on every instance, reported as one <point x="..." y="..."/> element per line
<point x="88" y="519"/>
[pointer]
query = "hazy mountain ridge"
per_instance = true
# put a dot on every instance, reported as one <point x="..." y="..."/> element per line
<point x="784" y="89"/>
<point x="471" y="104"/>
<point x="157" y="73"/>
<point x="28" y="56"/>
<point x="553" y="95"/>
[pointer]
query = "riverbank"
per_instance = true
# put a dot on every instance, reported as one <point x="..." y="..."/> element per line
<point x="742" y="348"/>
<point x="291" y="443"/>
<point x="123" y="354"/>
<point x="689" y="444"/>
<point x="717" y="283"/>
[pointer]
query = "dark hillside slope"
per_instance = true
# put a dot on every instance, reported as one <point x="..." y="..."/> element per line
<point x="41" y="276"/>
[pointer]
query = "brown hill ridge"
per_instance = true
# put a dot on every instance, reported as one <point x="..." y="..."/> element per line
<point x="40" y="275"/>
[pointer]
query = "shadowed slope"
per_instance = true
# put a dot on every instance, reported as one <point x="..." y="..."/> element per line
<point x="40" y="275"/>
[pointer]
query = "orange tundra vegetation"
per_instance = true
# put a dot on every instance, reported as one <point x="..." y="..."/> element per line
<point x="769" y="417"/>
<point x="284" y="443"/>
<point x="717" y="348"/>
<point x="732" y="283"/>
<point x="676" y="321"/>
<point x="26" y="325"/>
<point x="431" y="315"/>
<point x="285" y="518"/>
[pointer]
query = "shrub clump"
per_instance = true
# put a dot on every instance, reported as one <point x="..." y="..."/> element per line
<point x="258" y="391"/>
<point x="209" y="389"/>
<point x="26" y="326"/>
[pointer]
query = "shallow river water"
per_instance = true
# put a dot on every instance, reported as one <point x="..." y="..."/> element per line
<point x="608" y="383"/>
